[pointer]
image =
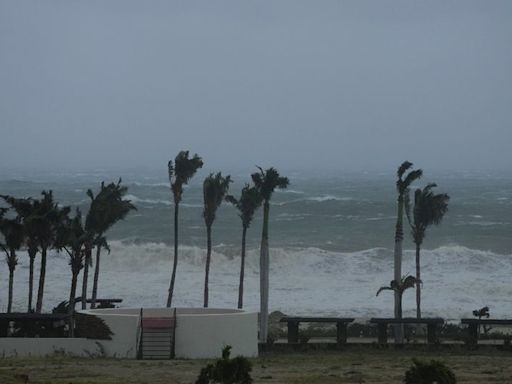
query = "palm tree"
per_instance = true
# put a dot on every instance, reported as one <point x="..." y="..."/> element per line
<point x="215" y="188"/>
<point x="27" y="209"/>
<point x="266" y="182"/>
<point x="46" y="222"/>
<point x="429" y="208"/>
<point x="399" y="287"/>
<point x="72" y="237"/>
<point x="13" y="236"/>
<point x="402" y="187"/>
<point x="250" y="199"/>
<point x="180" y="174"/>
<point x="107" y="208"/>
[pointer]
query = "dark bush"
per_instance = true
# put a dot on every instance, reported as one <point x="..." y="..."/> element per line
<point x="429" y="373"/>
<point x="226" y="370"/>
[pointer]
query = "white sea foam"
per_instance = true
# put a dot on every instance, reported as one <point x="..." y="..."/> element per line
<point x="135" y="199"/>
<point x="291" y="191"/>
<point x="323" y="198"/>
<point x="456" y="279"/>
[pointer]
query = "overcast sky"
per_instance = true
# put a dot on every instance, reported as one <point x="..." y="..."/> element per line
<point x="295" y="84"/>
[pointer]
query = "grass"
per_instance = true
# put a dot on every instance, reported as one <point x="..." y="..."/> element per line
<point x="358" y="365"/>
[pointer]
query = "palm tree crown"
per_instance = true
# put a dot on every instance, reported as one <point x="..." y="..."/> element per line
<point x="215" y="188"/>
<point x="267" y="181"/>
<point x="405" y="282"/>
<point x="181" y="172"/>
<point x="429" y="208"/>
<point x="402" y="185"/>
<point x="249" y="202"/>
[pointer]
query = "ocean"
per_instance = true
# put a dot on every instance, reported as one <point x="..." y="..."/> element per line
<point x="331" y="239"/>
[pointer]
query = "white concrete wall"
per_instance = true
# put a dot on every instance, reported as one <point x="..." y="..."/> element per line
<point x="20" y="346"/>
<point x="200" y="333"/>
<point x="125" y="334"/>
<point x="204" y="336"/>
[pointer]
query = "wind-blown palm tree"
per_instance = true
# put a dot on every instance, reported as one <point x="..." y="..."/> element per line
<point x="13" y="236"/>
<point x="72" y="238"/>
<point x="215" y="188"/>
<point x="107" y="208"/>
<point x="429" y="208"/>
<point x="399" y="287"/>
<point x="180" y="174"/>
<point x="402" y="186"/>
<point x="250" y="200"/>
<point x="266" y="182"/>
<point x="27" y="209"/>
<point x="47" y="222"/>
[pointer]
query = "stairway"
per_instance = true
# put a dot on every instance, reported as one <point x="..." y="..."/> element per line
<point x="157" y="338"/>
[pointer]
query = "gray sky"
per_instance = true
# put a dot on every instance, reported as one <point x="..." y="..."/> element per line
<point x="295" y="84"/>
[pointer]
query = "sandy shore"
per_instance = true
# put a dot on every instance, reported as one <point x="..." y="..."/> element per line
<point x="359" y="365"/>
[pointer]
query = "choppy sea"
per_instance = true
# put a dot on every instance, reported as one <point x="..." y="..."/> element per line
<point x="331" y="238"/>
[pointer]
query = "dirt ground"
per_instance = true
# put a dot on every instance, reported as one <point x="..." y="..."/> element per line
<point x="364" y="365"/>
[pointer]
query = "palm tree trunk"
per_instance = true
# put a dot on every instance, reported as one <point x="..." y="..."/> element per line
<point x="71" y="308"/>
<point x="42" y="275"/>
<point x="399" y="236"/>
<point x="96" y="275"/>
<point x="88" y="256"/>
<point x="175" y="262"/>
<point x="242" y="272"/>
<point x="264" y="272"/>
<point x="32" y="256"/>
<point x="208" y="259"/>
<point x="418" y="284"/>
<point x="11" y="283"/>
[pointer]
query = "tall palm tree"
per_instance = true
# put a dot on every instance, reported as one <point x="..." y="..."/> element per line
<point x="27" y="209"/>
<point x="180" y="172"/>
<point x="215" y="188"/>
<point x="399" y="287"/>
<point x="13" y="236"/>
<point x="266" y="182"/>
<point x="47" y="222"/>
<point x="402" y="186"/>
<point x="107" y="208"/>
<point x="429" y="208"/>
<point x="250" y="200"/>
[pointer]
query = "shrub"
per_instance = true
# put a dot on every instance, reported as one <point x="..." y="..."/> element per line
<point x="429" y="373"/>
<point x="226" y="370"/>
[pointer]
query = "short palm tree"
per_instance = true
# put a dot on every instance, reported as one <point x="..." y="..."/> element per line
<point x="215" y="188"/>
<point x="429" y="208"/>
<point x="107" y="208"/>
<point x="266" y="182"/>
<point x="13" y="236"/>
<point x="399" y="287"/>
<point x="180" y="173"/>
<point x="27" y="209"/>
<point x="72" y="238"/>
<point x="249" y="201"/>
<point x="402" y="186"/>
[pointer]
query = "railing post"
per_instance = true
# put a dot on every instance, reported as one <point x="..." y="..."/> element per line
<point x="140" y="353"/>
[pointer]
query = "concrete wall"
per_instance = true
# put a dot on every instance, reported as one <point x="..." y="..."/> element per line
<point x="19" y="346"/>
<point x="125" y="334"/>
<point x="204" y="336"/>
<point x="200" y="333"/>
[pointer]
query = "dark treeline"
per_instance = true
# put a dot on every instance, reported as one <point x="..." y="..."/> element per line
<point x="40" y="225"/>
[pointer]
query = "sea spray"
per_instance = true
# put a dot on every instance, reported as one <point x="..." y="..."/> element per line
<point x="305" y="281"/>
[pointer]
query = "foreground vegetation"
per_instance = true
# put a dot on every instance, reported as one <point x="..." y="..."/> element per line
<point x="357" y="365"/>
